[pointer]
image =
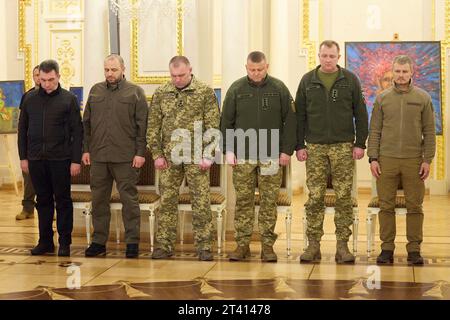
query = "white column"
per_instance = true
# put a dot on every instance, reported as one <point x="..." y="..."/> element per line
<point x="282" y="31"/>
<point x="205" y="36"/>
<point x="235" y="41"/>
<point x="96" y="45"/>
<point x="235" y="48"/>
<point x="279" y="39"/>
<point x="3" y="43"/>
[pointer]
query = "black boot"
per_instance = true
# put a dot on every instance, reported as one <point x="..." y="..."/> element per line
<point x="95" y="249"/>
<point x="132" y="250"/>
<point x="415" y="258"/>
<point x="386" y="257"/>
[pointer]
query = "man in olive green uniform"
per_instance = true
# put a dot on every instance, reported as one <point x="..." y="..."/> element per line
<point x="115" y="125"/>
<point x="332" y="119"/>
<point x="28" y="202"/>
<point x="402" y="145"/>
<point x="261" y="106"/>
<point x="178" y="108"/>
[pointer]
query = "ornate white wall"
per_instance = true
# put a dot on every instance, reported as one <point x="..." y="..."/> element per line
<point x="216" y="35"/>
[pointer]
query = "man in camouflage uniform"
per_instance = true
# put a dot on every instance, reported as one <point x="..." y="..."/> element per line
<point x="178" y="108"/>
<point x="257" y="102"/>
<point x="332" y="119"/>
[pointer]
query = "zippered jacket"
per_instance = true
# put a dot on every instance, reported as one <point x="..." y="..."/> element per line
<point x="261" y="108"/>
<point x="402" y="125"/>
<point x="331" y="117"/>
<point x="50" y="126"/>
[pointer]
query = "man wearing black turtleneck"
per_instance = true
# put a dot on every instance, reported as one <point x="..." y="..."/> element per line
<point x="49" y="140"/>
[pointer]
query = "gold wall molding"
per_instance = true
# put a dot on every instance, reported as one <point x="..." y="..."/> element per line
<point x="62" y="17"/>
<point x="440" y="140"/>
<point x="307" y="43"/>
<point x="135" y="75"/>
<point x="25" y="47"/>
<point x="66" y="46"/>
<point x="66" y="54"/>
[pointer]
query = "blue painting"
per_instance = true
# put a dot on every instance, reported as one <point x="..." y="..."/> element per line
<point x="78" y="91"/>
<point x="372" y="62"/>
<point x="10" y="95"/>
<point x="218" y="92"/>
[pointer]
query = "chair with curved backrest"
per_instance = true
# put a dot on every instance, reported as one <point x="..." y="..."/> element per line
<point x="148" y="194"/>
<point x="374" y="208"/>
<point x="284" y="202"/>
<point x="218" y="189"/>
<point x="330" y="203"/>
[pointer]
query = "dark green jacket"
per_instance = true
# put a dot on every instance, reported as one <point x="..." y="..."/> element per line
<point x="331" y="117"/>
<point x="115" y="122"/>
<point x="268" y="106"/>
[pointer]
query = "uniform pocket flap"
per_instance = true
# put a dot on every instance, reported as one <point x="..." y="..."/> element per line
<point x="96" y="99"/>
<point x="128" y="99"/>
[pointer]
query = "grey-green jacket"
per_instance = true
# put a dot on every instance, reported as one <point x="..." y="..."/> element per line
<point x="268" y="106"/>
<point x="331" y="117"/>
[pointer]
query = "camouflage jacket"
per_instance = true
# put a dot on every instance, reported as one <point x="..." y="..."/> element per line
<point x="174" y="114"/>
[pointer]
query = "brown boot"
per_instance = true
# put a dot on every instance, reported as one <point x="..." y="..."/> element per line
<point x="312" y="253"/>
<point x="267" y="254"/>
<point x="25" y="215"/>
<point x="343" y="255"/>
<point x="240" y="253"/>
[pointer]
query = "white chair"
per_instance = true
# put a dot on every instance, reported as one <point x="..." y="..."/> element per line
<point x="218" y="191"/>
<point x="284" y="202"/>
<point x="82" y="197"/>
<point x="148" y="196"/>
<point x="330" y="203"/>
<point x="373" y="209"/>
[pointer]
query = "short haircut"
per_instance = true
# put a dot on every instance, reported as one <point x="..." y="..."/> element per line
<point x="256" y="57"/>
<point x="330" y="44"/>
<point x="48" y="66"/>
<point x="115" y="56"/>
<point x="177" y="60"/>
<point x="403" y="59"/>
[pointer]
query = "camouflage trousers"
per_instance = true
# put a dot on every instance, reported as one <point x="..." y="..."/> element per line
<point x="336" y="159"/>
<point x="169" y="186"/>
<point x="246" y="177"/>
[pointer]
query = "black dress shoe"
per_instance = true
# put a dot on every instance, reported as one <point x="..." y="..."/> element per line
<point x="95" y="250"/>
<point x="415" y="258"/>
<point x="64" y="251"/>
<point x="43" y="248"/>
<point x="132" y="250"/>
<point x="386" y="257"/>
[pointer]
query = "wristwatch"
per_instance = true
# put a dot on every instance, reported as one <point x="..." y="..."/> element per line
<point x="372" y="159"/>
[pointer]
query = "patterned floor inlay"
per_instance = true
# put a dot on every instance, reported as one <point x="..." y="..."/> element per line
<point x="275" y="289"/>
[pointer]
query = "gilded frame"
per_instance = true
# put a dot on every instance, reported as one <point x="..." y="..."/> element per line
<point x="142" y="79"/>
